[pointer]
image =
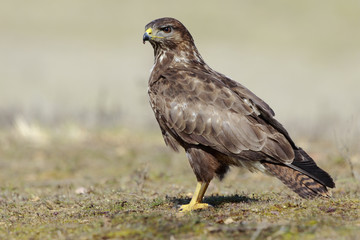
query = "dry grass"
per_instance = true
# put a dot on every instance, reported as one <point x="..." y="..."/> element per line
<point x="73" y="183"/>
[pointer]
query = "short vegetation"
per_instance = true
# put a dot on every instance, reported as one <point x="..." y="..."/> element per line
<point x="74" y="183"/>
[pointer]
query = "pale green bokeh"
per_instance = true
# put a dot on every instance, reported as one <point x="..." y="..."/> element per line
<point x="65" y="59"/>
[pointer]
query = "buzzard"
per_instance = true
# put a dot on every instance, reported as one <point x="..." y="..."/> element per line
<point x="218" y="121"/>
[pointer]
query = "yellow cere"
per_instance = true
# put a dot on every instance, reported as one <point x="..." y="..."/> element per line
<point x="149" y="31"/>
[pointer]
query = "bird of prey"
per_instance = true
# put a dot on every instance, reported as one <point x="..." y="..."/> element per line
<point x="218" y="121"/>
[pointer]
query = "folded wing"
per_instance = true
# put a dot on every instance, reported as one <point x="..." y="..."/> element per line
<point x="200" y="109"/>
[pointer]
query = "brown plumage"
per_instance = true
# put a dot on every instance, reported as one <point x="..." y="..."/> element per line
<point x="219" y="122"/>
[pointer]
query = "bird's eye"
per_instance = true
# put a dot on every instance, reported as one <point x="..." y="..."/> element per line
<point x="166" y="29"/>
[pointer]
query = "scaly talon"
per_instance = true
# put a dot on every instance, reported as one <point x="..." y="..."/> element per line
<point x="191" y="207"/>
<point x="195" y="202"/>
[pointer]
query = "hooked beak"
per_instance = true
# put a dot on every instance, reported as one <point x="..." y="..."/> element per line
<point x="147" y="35"/>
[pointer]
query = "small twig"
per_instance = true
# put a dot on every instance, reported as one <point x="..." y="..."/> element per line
<point x="259" y="229"/>
<point x="344" y="152"/>
<point x="348" y="160"/>
<point x="141" y="176"/>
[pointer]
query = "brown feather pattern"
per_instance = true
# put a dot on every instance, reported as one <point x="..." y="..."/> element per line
<point x="300" y="183"/>
<point x="218" y="121"/>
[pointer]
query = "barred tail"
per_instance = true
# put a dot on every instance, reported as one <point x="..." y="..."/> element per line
<point x="302" y="176"/>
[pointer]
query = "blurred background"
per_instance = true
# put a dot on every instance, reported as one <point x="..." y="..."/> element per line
<point x="83" y="62"/>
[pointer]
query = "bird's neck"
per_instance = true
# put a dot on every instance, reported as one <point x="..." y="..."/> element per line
<point x="183" y="55"/>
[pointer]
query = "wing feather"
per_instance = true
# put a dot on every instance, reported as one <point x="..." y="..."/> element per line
<point x="200" y="109"/>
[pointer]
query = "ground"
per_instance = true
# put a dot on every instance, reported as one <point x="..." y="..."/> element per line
<point x="74" y="183"/>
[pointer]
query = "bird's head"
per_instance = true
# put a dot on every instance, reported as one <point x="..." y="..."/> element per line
<point x="166" y="32"/>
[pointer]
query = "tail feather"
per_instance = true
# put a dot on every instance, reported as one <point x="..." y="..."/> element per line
<point x="307" y="165"/>
<point x="303" y="176"/>
<point x="300" y="183"/>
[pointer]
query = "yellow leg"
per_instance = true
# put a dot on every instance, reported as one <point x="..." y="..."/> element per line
<point x="195" y="202"/>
